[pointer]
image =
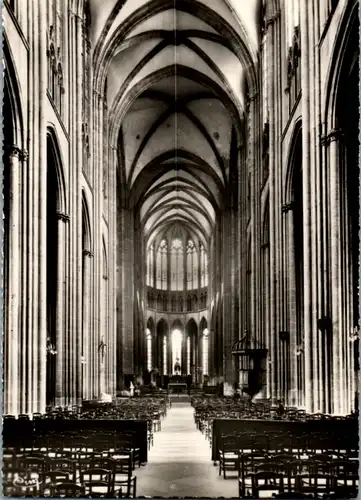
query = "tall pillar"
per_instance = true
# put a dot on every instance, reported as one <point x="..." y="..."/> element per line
<point x="309" y="330"/>
<point x="86" y="355"/>
<point x="26" y="223"/>
<point x="125" y="330"/>
<point x="292" y="307"/>
<point x="62" y="219"/>
<point x="274" y="119"/>
<point x="229" y="312"/>
<point x="12" y="334"/>
<point x="336" y="285"/>
<point x="199" y="358"/>
<point x="170" y="361"/>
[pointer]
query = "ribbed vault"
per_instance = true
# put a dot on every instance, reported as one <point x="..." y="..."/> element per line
<point x="175" y="75"/>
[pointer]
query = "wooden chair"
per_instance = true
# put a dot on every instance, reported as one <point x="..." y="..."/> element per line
<point x="35" y="466"/>
<point x="10" y="459"/>
<point x="248" y="464"/>
<point x="124" y="481"/>
<point x="319" y="464"/>
<point x="291" y="470"/>
<point x="126" y="443"/>
<point x="54" y="477"/>
<point x="345" y="475"/>
<point x="98" y="482"/>
<point x="228" y="455"/>
<point x="82" y="444"/>
<point x="67" y="489"/>
<point x="66" y="465"/>
<point x="17" y="482"/>
<point x="268" y="483"/>
<point x="316" y="484"/>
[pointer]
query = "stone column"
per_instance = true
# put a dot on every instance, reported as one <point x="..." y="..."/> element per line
<point x="170" y="361"/>
<point x="287" y="209"/>
<point x="127" y="290"/>
<point x="336" y="284"/>
<point x="86" y="353"/>
<point x="12" y="334"/>
<point x="60" y="310"/>
<point x="112" y="245"/>
<point x="154" y="257"/>
<point x="229" y="333"/>
<point x="309" y="329"/>
<point x="271" y="55"/>
<point x="199" y="358"/>
<point x="26" y="224"/>
<point x="40" y="214"/>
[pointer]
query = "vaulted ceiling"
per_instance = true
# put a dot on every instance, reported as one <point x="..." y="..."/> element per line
<point x="176" y="73"/>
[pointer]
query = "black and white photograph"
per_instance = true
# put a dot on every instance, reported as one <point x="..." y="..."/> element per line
<point x="180" y="238"/>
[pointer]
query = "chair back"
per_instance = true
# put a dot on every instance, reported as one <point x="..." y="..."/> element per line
<point x="65" y="465"/>
<point x="97" y="480"/>
<point x="270" y="482"/>
<point x="269" y="467"/>
<point x="67" y="489"/>
<point x="17" y="482"/>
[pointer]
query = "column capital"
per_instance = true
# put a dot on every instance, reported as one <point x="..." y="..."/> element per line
<point x="15" y="151"/>
<point x="88" y="253"/>
<point x="253" y="97"/>
<point x="62" y="216"/>
<point x="286" y="207"/>
<point x="334" y="135"/>
<point x="271" y="19"/>
<point x="24" y="155"/>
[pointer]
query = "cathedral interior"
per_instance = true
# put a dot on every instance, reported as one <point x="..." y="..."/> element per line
<point x="181" y="245"/>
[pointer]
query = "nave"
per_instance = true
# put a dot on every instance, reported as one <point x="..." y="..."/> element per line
<point x="205" y="447"/>
<point x="181" y="224"/>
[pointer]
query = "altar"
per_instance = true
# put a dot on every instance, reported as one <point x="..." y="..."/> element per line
<point x="177" y="388"/>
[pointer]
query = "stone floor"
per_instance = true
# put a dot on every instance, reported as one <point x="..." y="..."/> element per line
<point x="179" y="463"/>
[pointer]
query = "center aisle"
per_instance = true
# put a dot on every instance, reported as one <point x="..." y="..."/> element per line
<point x="179" y="463"/>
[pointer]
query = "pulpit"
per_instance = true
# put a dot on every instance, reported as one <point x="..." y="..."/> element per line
<point x="252" y="366"/>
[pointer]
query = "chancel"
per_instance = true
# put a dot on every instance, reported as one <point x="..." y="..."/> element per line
<point x="181" y="245"/>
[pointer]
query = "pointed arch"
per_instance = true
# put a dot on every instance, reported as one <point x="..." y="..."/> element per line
<point x="346" y="29"/>
<point x="55" y="157"/>
<point x="203" y="324"/>
<point x="162" y="327"/>
<point x="191" y="327"/>
<point x="151" y="324"/>
<point x="12" y="113"/>
<point x="177" y="324"/>
<point x="87" y="233"/>
<point x="292" y="159"/>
